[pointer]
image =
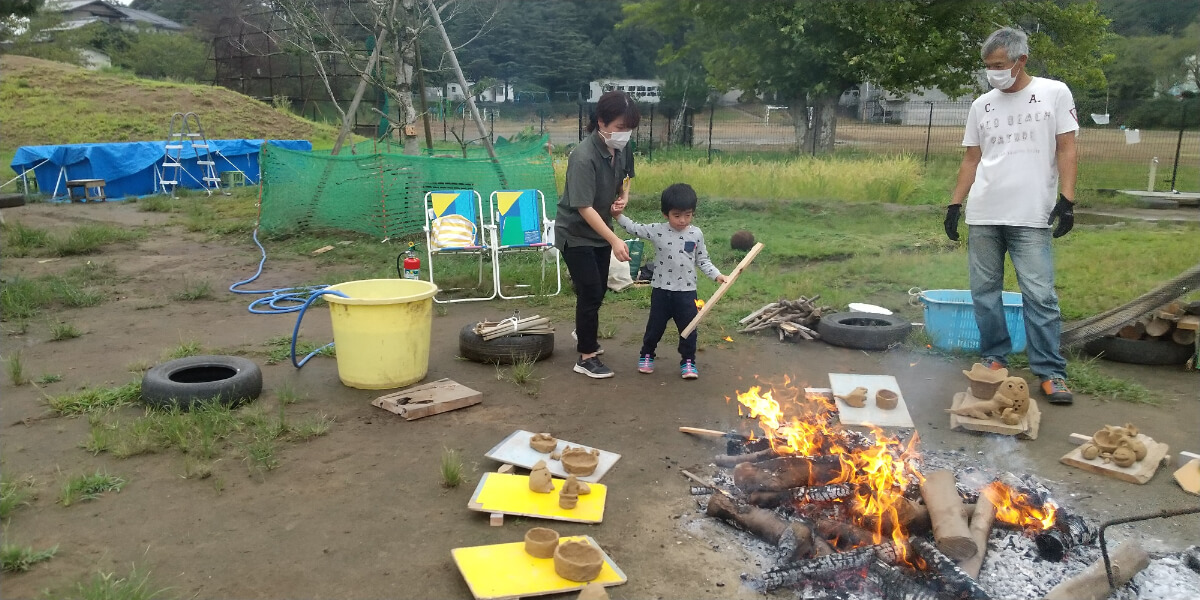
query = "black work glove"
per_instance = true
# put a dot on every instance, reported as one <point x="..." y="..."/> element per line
<point x="1064" y="210"/>
<point x="952" y="214"/>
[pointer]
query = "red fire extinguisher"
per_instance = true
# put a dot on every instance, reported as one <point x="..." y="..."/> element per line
<point x="412" y="264"/>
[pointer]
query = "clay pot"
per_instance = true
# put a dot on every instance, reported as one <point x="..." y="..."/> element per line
<point x="1109" y="438"/>
<point x="543" y="442"/>
<point x="541" y="542"/>
<point x="984" y="381"/>
<point x="886" y="399"/>
<point x="577" y="461"/>
<point x="578" y="561"/>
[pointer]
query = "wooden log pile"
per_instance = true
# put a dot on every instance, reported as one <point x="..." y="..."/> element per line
<point x="792" y="319"/>
<point x="535" y="325"/>
<point x="1171" y="322"/>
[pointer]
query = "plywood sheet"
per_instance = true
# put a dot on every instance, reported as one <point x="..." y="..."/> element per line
<point x="843" y="383"/>
<point x="1026" y="428"/>
<point x="1139" y="472"/>
<point x="515" y="450"/>
<point x="1188" y="477"/>
<point x="428" y="399"/>
<point x="504" y="571"/>
<point x="510" y="495"/>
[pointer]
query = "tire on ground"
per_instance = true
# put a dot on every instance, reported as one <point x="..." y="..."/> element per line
<point x="12" y="200"/>
<point x="504" y="350"/>
<point x="863" y="331"/>
<point x="198" y="380"/>
<point x="1139" y="352"/>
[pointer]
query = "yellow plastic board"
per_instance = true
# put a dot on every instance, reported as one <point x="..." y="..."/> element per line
<point x="510" y="494"/>
<point x="503" y="571"/>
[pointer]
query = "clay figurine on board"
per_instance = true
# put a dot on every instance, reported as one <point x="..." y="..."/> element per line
<point x="543" y="442"/>
<point x="568" y="496"/>
<point x="985" y="381"/>
<point x="857" y="397"/>
<point x="539" y="478"/>
<point x="1008" y="404"/>
<point x="1118" y="445"/>
<point x="886" y="399"/>
<point x="577" y="461"/>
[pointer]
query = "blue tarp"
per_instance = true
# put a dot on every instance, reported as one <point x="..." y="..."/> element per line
<point x="133" y="168"/>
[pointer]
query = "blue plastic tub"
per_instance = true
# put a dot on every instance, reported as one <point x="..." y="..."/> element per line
<point x="950" y="320"/>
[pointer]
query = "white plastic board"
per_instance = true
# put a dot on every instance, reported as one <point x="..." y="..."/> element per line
<point x="843" y="383"/>
<point x="515" y="450"/>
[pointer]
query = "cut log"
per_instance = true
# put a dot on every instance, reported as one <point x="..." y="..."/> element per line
<point x="1183" y="337"/>
<point x="844" y="535"/>
<point x="897" y="583"/>
<point x="1190" y="323"/>
<point x="950" y="529"/>
<point x="795" y="538"/>
<point x="820" y="493"/>
<point x="1092" y="583"/>
<point x="952" y="581"/>
<point x="1133" y="331"/>
<point x="732" y="460"/>
<point x="913" y="517"/>
<point x="780" y="474"/>
<point x="981" y="528"/>
<point x="1158" y="327"/>
<point x="800" y="571"/>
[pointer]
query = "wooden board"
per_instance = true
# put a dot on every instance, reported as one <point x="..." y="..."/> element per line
<point x="1139" y="472"/>
<point x="510" y="494"/>
<point x="1188" y="477"/>
<point x="843" y="383"/>
<point x="1026" y="428"/>
<point x="428" y="399"/>
<point x="515" y="450"/>
<point x="504" y="571"/>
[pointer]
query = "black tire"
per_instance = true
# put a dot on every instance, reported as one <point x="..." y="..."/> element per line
<point x="504" y="350"/>
<point x="198" y="380"/>
<point x="12" y="200"/>
<point x="1139" y="352"/>
<point x="863" y="331"/>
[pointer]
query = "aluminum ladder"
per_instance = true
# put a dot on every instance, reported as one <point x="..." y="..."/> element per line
<point x="186" y="134"/>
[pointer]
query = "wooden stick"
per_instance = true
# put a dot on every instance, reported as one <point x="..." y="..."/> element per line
<point x="721" y="290"/>
<point x="792" y="536"/>
<point x="733" y="460"/>
<point x="945" y="513"/>
<point x="702" y="432"/>
<point x="981" y="528"/>
<point x="1092" y="583"/>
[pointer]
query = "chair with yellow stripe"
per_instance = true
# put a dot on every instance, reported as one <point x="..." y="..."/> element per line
<point x="454" y="225"/>
<point x="522" y="226"/>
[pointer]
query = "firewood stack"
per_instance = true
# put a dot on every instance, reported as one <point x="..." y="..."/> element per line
<point x="792" y="319"/>
<point x="1171" y="322"/>
<point x="535" y="325"/>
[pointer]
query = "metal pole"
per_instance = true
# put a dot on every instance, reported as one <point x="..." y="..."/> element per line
<point x="1166" y="514"/>
<point x="1179" y="143"/>
<point x="928" y="132"/>
<point x="424" y="104"/>
<point x="650" y="154"/>
<point x="712" y="109"/>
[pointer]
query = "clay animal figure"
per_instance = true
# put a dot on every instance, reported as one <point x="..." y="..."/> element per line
<point x="543" y="442"/>
<point x="1015" y="392"/>
<point x="856" y="398"/>
<point x="568" y="496"/>
<point x="1118" y="445"/>
<point x="539" y="478"/>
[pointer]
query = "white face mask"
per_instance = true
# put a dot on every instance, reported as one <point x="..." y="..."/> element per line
<point x="1001" y="79"/>
<point x="617" y="139"/>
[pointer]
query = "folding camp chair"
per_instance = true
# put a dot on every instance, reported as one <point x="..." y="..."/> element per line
<point x="522" y="226"/>
<point x="454" y="225"/>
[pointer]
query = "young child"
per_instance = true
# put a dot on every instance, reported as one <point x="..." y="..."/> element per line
<point x="678" y="250"/>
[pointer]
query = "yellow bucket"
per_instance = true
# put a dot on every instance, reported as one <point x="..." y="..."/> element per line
<point x="381" y="331"/>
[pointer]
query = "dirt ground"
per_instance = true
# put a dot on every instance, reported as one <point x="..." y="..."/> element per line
<point x="360" y="513"/>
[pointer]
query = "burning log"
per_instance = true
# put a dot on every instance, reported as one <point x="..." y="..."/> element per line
<point x="945" y="514"/>
<point x="951" y="579"/>
<point x="799" y="571"/>
<point x="912" y="517"/>
<point x="781" y="474"/>
<point x="1092" y="583"/>
<point x="844" y="535"/>
<point x="1068" y="532"/>
<point x="795" y="538"/>
<point x="731" y="460"/>
<point x="822" y="493"/>
<point x="981" y="528"/>
<point x="896" y="584"/>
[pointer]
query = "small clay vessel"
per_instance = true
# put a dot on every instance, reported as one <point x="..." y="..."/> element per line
<point x="984" y="381"/>
<point x="540" y="542"/>
<point x="886" y="399"/>
<point x="539" y="478"/>
<point x="577" y="461"/>
<point x="543" y="442"/>
<point x="568" y="496"/>
<point x="578" y="561"/>
<point x="592" y="591"/>
<point x="856" y="398"/>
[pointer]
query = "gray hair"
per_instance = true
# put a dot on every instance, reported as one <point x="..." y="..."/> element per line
<point x="1012" y="40"/>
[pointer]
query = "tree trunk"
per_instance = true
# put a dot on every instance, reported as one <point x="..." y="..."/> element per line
<point x="825" y="122"/>
<point x="404" y="22"/>
<point x="799" y="109"/>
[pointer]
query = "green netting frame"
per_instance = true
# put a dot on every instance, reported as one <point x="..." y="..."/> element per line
<point x="382" y="194"/>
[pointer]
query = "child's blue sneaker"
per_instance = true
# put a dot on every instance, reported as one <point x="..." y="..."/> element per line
<point x="646" y="364"/>
<point x="688" y="370"/>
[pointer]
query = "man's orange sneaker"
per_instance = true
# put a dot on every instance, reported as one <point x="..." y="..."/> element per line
<point x="1057" y="392"/>
<point x="993" y="364"/>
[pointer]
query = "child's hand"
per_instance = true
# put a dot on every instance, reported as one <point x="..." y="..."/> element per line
<point x="618" y="207"/>
<point x="722" y="279"/>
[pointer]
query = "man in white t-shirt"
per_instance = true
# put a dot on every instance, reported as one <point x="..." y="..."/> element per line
<point x="1020" y="157"/>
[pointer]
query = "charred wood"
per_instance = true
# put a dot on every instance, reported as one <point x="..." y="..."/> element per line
<point x="952" y="581"/>
<point x="781" y="474"/>
<point x="765" y="524"/>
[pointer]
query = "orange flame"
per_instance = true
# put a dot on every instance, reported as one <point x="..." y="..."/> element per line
<point x="1018" y="509"/>
<point x="803" y="425"/>
<point x="699" y="303"/>
<point x="728" y="339"/>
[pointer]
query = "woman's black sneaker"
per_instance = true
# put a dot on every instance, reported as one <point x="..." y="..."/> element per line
<point x="592" y="367"/>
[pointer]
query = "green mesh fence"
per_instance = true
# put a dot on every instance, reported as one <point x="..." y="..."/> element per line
<point x="382" y="193"/>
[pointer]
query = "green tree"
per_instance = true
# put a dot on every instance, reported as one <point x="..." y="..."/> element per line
<point x="1144" y="18"/>
<point x="164" y="55"/>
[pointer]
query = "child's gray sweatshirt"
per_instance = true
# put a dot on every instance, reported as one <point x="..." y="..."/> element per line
<point x="676" y="254"/>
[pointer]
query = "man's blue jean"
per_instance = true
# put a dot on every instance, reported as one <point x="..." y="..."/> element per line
<point x="1033" y="260"/>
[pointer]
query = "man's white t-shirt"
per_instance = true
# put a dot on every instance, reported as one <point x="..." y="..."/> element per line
<point x="1016" y="182"/>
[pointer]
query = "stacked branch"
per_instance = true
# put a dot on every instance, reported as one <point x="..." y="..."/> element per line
<point x="535" y="325"/>
<point x="791" y="318"/>
<point x="1171" y="322"/>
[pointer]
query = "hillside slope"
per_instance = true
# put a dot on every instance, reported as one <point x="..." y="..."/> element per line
<point x="45" y="102"/>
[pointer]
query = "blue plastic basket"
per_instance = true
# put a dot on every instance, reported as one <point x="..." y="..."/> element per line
<point x="950" y="320"/>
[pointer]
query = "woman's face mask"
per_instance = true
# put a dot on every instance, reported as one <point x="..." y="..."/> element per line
<point x="616" y="139"/>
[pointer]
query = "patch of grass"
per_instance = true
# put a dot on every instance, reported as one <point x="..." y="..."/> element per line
<point x="184" y="350"/>
<point x="49" y="378"/>
<point x="279" y="349"/>
<point x="286" y="394"/>
<point x="1085" y="377"/>
<point x="522" y="373"/>
<point x="155" y="203"/>
<point x="22" y="298"/>
<point x="196" y="290"/>
<point x="63" y="331"/>
<point x="107" y="586"/>
<point x="139" y="366"/>
<point x="452" y="468"/>
<point x="96" y="399"/>
<point x="15" y="559"/>
<point x="260" y="452"/>
<point x="311" y="428"/>
<point x="89" y="487"/>
<point x="15" y="368"/>
<point x="20" y="240"/>
<point x="196" y="469"/>
<point x="87" y="239"/>
<point x="13" y="495"/>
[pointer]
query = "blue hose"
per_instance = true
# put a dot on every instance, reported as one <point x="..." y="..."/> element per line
<point x="282" y="300"/>
<point x="296" y="331"/>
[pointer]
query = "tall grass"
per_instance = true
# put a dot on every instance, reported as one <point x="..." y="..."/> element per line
<point x="15" y="558"/>
<point x="96" y="399"/>
<point x="89" y="487"/>
<point x="107" y="586"/>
